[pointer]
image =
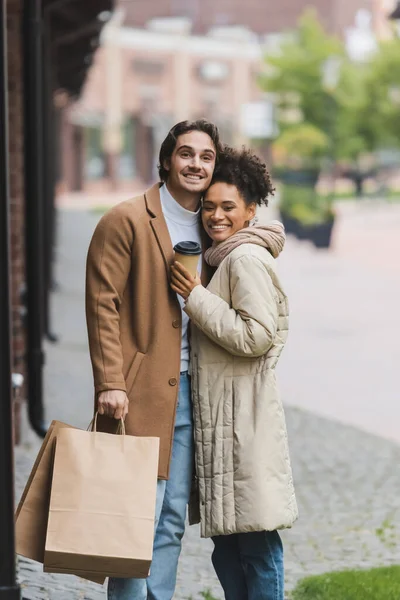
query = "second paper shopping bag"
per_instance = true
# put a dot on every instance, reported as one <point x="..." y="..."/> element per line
<point x="102" y="504"/>
<point x="33" y="508"/>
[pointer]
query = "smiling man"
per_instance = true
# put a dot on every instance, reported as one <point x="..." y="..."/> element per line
<point x="138" y="334"/>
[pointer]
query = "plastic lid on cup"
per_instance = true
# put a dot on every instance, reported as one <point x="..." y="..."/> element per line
<point x="188" y="248"/>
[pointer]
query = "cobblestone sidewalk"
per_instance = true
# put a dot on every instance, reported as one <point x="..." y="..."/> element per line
<point x="347" y="481"/>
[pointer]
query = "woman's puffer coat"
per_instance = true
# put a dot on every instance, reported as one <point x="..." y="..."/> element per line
<point x="239" y="328"/>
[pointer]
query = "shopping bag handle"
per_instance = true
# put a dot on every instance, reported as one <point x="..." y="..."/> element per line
<point x="93" y="425"/>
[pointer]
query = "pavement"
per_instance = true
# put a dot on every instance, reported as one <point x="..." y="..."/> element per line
<point x="338" y="376"/>
<point x="343" y="353"/>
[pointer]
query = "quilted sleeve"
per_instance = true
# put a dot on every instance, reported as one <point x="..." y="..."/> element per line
<point x="247" y="326"/>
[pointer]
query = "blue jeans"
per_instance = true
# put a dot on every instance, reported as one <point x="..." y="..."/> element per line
<point x="171" y="503"/>
<point x="249" y="566"/>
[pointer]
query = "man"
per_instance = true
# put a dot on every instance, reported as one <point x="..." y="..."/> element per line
<point x="138" y="334"/>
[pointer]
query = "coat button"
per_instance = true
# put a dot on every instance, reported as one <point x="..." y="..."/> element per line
<point x="172" y="381"/>
<point x="176" y="323"/>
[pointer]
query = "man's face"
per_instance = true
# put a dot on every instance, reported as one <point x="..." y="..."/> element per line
<point x="192" y="163"/>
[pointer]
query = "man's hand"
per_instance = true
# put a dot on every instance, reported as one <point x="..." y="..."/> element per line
<point x="113" y="403"/>
<point x="182" y="282"/>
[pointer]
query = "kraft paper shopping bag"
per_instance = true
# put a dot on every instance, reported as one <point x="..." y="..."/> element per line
<point x="102" y="505"/>
<point x="33" y="508"/>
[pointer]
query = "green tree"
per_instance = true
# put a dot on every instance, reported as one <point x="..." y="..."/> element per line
<point x="383" y="93"/>
<point x="356" y="128"/>
<point x="359" y="114"/>
<point x="295" y="75"/>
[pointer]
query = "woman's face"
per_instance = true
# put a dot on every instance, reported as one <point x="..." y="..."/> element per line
<point x="225" y="212"/>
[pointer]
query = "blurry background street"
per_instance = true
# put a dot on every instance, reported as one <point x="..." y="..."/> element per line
<point x="314" y="88"/>
<point x="343" y="356"/>
<point x="340" y="362"/>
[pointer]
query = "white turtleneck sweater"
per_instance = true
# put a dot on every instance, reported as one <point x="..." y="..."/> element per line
<point x="183" y="226"/>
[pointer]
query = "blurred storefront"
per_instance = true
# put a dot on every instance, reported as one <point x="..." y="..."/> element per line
<point x="165" y="61"/>
<point x="48" y="46"/>
<point x="145" y="80"/>
<point x="259" y="16"/>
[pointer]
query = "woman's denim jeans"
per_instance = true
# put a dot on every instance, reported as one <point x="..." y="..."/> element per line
<point x="250" y="565"/>
<point x="172" y="499"/>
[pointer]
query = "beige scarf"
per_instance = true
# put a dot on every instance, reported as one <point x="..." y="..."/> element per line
<point x="271" y="236"/>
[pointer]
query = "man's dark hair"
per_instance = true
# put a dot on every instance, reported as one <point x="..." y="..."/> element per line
<point x="168" y="145"/>
<point x="243" y="169"/>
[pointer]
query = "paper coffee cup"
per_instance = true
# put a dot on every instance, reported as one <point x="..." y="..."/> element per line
<point x="187" y="253"/>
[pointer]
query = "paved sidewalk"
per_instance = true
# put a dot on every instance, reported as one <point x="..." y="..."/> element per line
<point x="347" y="480"/>
<point x="343" y="353"/>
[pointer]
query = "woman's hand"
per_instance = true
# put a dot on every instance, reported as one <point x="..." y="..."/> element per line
<point x="182" y="282"/>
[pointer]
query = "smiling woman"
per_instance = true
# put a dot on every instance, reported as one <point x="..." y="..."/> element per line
<point x="225" y="212"/>
<point x="239" y="328"/>
<point x="240" y="183"/>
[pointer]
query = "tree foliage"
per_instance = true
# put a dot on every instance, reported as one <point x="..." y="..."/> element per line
<point x="359" y="113"/>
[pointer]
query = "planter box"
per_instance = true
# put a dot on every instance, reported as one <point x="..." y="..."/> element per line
<point x="320" y="235"/>
<point x="290" y="224"/>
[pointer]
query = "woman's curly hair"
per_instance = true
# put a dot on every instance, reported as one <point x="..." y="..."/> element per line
<point x="243" y="169"/>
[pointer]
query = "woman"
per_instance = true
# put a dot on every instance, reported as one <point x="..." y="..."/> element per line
<point x="239" y="328"/>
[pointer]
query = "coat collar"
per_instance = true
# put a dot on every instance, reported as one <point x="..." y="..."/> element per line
<point x="159" y="225"/>
<point x="153" y="202"/>
<point x="160" y="229"/>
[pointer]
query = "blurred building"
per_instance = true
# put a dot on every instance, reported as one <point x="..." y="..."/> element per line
<point x="48" y="45"/>
<point x="145" y="80"/>
<point x="258" y="15"/>
<point x="168" y="60"/>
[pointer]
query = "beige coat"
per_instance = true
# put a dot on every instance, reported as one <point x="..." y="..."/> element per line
<point x="242" y="458"/>
<point x="134" y="318"/>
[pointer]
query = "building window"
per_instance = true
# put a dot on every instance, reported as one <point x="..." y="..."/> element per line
<point x="127" y="160"/>
<point x="94" y="162"/>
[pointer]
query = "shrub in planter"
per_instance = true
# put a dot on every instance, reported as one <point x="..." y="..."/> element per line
<point x="290" y="224"/>
<point x="316" y="223"/>
<point x="307" y="215"/>
<point x="298" y="153"/>
<point x="321" y="234"/>
<point x="301" y="149"/>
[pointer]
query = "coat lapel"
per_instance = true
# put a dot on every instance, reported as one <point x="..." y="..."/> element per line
<point x="159" y="225"/>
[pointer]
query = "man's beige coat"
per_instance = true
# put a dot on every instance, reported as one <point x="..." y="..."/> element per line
<point x="134" y="318"/>
<point x="239" y="328"/>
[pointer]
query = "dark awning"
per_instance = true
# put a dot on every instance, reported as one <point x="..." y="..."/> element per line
<point x="74" y="27"/>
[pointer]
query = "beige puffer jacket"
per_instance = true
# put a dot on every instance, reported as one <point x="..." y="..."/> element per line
<point x="242" y="458"/>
